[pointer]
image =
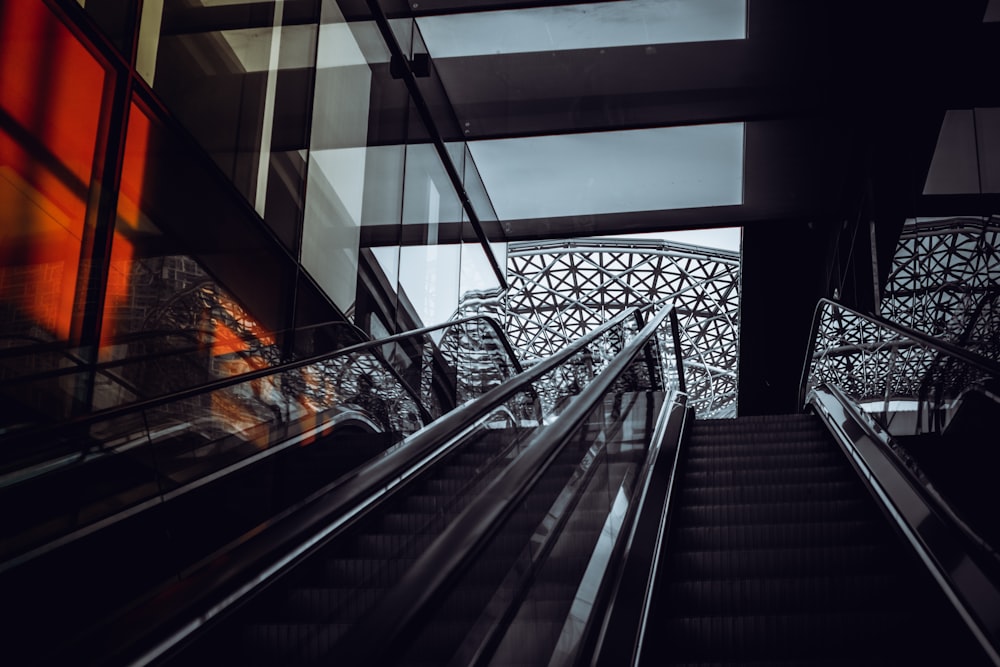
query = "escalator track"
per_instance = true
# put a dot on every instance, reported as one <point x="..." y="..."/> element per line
<point x="779" y="555"/>
<point x="456" y="563"/>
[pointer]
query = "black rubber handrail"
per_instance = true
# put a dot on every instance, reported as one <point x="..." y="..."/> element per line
<point x="906" y="465"/>
<point x="925" y="520"/>
<point x="442" y="562"/>
<point x="165" y="620"/>
<point x="941" y="346"/>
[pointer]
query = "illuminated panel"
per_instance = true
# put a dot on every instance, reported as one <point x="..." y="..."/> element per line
<point x="50" y="105"/>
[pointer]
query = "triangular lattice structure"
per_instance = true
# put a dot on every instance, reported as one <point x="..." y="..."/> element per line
<point x="945" y="281"/>
<point x="560" y="290"/>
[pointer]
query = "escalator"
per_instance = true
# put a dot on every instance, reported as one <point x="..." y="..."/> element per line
<point x="104" y="511"/>
<point x="578" y="514"/>
<point x="779" y="555"/>
<point x="544" y="456"/>
<point x="862" y="533"/>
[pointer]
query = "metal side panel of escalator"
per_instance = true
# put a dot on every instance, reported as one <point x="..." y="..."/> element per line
<point x="495" y="550"/>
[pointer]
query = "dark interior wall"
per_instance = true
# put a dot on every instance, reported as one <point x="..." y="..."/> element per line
<point x="784" y="273"/>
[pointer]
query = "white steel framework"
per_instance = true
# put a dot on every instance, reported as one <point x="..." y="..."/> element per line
<point x="945" y="281"/>
<point x="560" y="290"/>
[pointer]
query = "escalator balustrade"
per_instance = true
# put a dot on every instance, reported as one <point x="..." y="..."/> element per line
<point x="778" y="555"/>
<point x="471" y="587"/>
<point x="112" y="509"/>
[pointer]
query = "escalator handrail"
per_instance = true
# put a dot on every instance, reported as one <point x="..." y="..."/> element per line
<point x="924" y="518"/>
<point x="942" y="346"/>
<point x="908" y="467"/>
<point x="469" y="533"/>
<point x="103" y="366"/>
<point x="223" y="383"/>
<point x="618" y="630"/>
<point x="254" y="563"/>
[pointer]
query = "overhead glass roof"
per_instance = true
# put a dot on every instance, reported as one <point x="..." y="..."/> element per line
<point x="583" y="26"/>
<point x="613" y="172"/>
<point x="967" y="156"/>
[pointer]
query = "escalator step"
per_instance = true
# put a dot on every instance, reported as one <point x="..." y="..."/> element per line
<point x="310" y="604"/>
<point x="812" y="440"/>
<point x="444" y="487"/>
<point x="716" y="495"/>
<point x="776" y="536"/>
<point x="390" y="545"/>
<point x="816" y="561"/>
<point x="844" y="634"/>
<point x="425" y="503"/>
<point x="361" y="571"/>
<point x="703" y="446"/>
<point x="465" y="473"/>
<point x="748" y="513"/>
<point x="765" y="476"/>
<point x="782" y="595"/>
<point x="844" y="661"/>
<point x="289" y="643"/>
<point x="411" y="523"/>
<point x="760" y="461"/>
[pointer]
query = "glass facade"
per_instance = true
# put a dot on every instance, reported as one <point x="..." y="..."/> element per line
<point x="207" y="183"/>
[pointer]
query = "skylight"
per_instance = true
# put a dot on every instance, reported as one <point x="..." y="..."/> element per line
<point x="613" y="172"/>
<point x="966" y="156"/>
<point x="584" y="26"/>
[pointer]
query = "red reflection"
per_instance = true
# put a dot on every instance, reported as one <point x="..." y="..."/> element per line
<point x="133" y="179"/>
<point x="50" y="104"/>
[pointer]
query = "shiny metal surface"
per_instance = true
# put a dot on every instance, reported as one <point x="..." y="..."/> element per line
<point x="961" y="576"/>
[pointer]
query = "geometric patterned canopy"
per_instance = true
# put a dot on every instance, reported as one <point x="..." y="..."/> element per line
<point x="945" y="281"/>
<point x="561" y="290"/>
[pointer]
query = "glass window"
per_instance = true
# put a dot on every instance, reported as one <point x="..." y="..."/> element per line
<point x="50" y="112"/>
<point x="355" y="170"/>
<point x="196" y="288"/>
<point x="583" y="26"/>
<point x="967" y="155"/>
<point x="239" y="76"/>
<point x="610" y="172"/>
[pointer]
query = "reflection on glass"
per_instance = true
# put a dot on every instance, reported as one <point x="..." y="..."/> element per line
<point x="355" y="170"/>
<point x="584" y="26"/>
<point x="429" y="197"/>
<point x="945" y="281"/>
<point x="377" y="396"/>
<point x="160" y="300"/>
<point x="937" y="407"/>
<point x="530" y="598"/>
<point x="428" y="283"/>
<point x="48" y="135"/>
<point x="239" y="76"/>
